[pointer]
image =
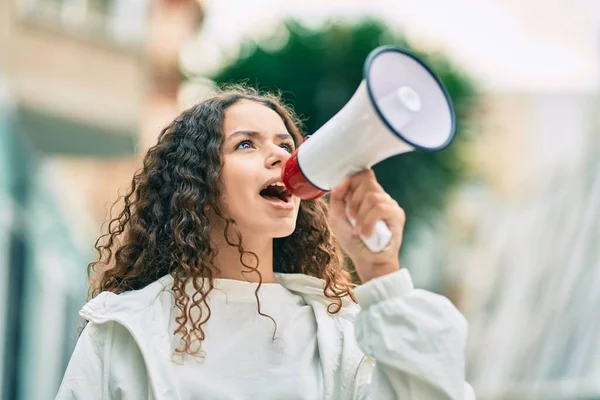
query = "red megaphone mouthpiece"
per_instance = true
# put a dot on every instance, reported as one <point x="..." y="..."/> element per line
<point x="296" y="182"/>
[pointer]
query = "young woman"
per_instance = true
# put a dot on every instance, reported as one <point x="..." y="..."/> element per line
<point x="214" y="282"/>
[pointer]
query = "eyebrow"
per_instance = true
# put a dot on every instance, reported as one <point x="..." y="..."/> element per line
<point x="255" y="134"/>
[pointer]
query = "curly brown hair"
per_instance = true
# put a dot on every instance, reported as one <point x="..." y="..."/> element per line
<point x="163" y="227"/>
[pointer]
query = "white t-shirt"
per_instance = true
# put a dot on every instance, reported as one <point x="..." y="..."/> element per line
<point x="241" y="359"/>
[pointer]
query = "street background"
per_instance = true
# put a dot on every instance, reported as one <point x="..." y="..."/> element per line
<point x="505" y="222"/>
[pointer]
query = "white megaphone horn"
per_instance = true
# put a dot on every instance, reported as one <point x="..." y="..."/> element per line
<point x="399" y="106"/>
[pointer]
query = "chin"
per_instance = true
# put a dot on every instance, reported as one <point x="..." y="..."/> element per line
<point x="280" y="235"/>
<point x="282" y="230"/>
<point x="276" y="228"/>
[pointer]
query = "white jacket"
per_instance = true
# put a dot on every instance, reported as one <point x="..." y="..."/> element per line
<point x="405" y="343"/>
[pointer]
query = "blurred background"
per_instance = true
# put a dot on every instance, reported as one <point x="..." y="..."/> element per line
<point x="505" y="222"/>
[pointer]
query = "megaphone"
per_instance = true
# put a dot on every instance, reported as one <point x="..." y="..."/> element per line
<point x="399" y="106"/>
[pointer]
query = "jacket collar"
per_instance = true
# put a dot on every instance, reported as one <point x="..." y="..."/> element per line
<point x="303" y="285"/>
<point x="140" y="310"/>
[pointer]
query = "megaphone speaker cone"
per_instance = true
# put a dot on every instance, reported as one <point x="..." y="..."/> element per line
<point x="409" y="98"/>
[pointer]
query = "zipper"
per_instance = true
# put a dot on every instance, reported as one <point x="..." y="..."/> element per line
<point x="354" y="388"/>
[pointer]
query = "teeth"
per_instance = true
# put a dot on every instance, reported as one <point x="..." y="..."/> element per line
<point x="276" y="184"/>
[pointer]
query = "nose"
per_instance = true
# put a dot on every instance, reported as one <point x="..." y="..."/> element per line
<point x="277" y="157"/>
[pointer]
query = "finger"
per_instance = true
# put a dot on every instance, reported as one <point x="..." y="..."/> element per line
<point x="360" y="186"/>
<point x="371" y="201"/>
<point x="337" y="199"/>
<point x="382" y="213"/>
<point x="375" y="207"/>
<point x="360" y="178"/>
<point x="391" y="213"/>
<point x="365" y="173"/>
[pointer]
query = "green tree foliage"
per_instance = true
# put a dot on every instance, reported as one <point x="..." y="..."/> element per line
<point x="317" y="71"/>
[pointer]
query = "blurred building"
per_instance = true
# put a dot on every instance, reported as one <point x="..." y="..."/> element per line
<point x="524" y="248"/>
<point x="524" y="245"/>
<point x="85" y="87"/>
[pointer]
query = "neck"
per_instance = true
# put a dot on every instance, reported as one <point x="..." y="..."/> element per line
<point x="229" y="259"/>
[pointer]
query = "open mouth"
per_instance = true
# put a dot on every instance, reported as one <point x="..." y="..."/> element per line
<point x="276" y="191"/>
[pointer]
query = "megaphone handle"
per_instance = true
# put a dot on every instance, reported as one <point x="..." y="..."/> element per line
<point x="380" y="237"/>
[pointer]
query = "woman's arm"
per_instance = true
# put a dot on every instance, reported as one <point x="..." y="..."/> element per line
<point x="417" y="338"/>
<point x="83" y="378"/>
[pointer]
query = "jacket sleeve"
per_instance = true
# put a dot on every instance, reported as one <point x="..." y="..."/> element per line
<point x="417" y="339"/>
<point x="83" y="378"/>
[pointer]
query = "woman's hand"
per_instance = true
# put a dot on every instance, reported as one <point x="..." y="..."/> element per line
<point x="367" y="203"/>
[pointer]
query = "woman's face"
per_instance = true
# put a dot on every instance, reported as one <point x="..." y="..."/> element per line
<point x="255" y="149"/>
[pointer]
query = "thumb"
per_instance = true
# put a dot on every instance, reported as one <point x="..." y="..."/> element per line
<point x="337" y="199"/>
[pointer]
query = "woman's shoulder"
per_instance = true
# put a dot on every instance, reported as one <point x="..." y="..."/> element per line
<point x="108" y="305"/>
<point x="312" y="289"/>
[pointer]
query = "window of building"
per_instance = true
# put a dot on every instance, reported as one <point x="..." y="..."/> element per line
<point x="121" y="22"/>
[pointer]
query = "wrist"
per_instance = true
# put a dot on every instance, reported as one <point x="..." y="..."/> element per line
<point x="372" y="271"/>
<point x="395" y="285"/>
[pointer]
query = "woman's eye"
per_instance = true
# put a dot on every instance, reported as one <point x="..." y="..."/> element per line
<point x="288" y="147"/>
<point x="246" y="144"/>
